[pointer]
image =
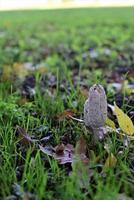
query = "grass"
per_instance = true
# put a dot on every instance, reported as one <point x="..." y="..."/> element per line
<point x="59" y="42"/>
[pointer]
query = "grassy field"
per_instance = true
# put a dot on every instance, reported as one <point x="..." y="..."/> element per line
<point x="48" y="61"/>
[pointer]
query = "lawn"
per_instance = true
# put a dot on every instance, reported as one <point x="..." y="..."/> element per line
<point x="48" y="61"/>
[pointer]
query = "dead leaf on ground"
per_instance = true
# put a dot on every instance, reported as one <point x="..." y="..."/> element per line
<point x="62" y="153"/>
<point x="81" y="164"/>
<point x="124" y="121"/>
<point x="6" y="73"/>
<point x="21" y="70"/>
<point x="48" y="150"/>
<point x="66" y="153"/>
<point x="41" y="70"/>
<point x="66" y="114"/>
<point x="59" y="149"/>
<point x="23" y="135"/>
<point x="110" y="162"/>
<point x="110" y="123"/>
<point x="81" y="146"/>
<point x="80" y="151"/>
<point x="46" y="138"/>
<point x="131" y="75"/>
<point x="26" y="196"/>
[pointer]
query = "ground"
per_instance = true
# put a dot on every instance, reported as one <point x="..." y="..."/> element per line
<point x="48" y="61"/>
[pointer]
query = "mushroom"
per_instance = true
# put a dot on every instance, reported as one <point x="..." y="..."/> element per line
<point x="95" y="111"/>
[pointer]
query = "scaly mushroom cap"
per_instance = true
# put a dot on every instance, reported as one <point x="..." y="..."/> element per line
<point x="95" y="108"/>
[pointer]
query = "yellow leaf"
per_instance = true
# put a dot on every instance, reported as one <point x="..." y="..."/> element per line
<point x="19" y="70"/>
<point x="124" y="121"/>
<point x="110" y="162"/>
<point x="6" y="73"/>
<point x="41" y="70"/>
<point x="110" y="123"/>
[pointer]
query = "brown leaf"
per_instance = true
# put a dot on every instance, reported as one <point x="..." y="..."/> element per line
<point x="81" y="164"/>
<point x="81" y="146"/>
<point x="66" y="114"/>
<point x="59" y="149"/>
<point x="65" y="153"/>
<point x="131" y="75"/>
<point x="24" y="137"/>
<point x="69" y="147"/>
<point x="80" y="152"/>
<point x="65" y="157"/>
<point x="62" y="153"/>
<point x="26" y="197"/>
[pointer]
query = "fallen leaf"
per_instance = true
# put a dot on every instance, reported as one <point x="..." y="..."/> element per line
<point x="41" y="69"/>
<point x="59" y="148"/>
<point x="46" y="138"/>
<point x="66" y="156"/>
<point x="81" y="164"/>
<point x="62" y="153"/>
<point x="76" y="157"/>
<point x="81" y="146"/>
<point x="26" y="196"/>
<point x="110" y="162"/>
<point x="24" y="137"/>
<point x="66" y="114"/>
<point x="20" y="70"/>
<point x="131" y="75"/>
<point x="80" y="151"/>
<point x="124" y="121"/>
<point x="6" y="73"/>
<point x="110" y="123"/>
<point x="48" y="150"/>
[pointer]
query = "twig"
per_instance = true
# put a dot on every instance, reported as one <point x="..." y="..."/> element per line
<point x="76" y="119"/>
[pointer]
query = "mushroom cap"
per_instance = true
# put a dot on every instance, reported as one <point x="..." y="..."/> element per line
<point x="95" y="107"/>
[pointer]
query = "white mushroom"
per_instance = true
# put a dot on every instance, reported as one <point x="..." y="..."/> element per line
<point x="95" y="111"/>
